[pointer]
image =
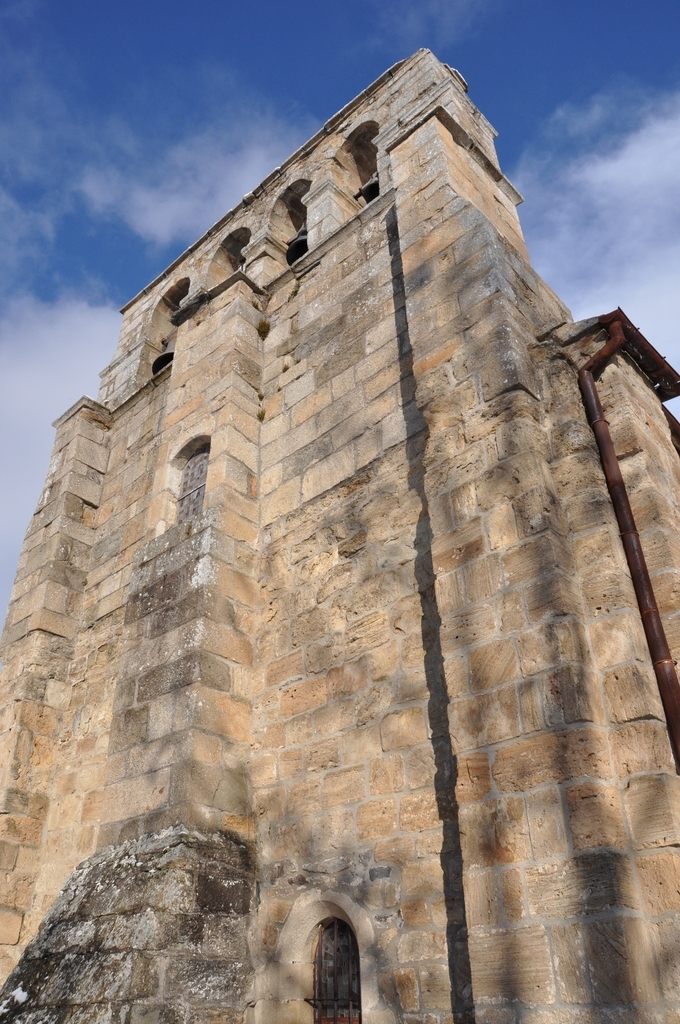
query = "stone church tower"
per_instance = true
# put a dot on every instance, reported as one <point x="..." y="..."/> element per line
<point x="326" y="691"/>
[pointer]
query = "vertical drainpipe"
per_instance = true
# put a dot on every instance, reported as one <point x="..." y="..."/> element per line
<point x="664" y="667"/>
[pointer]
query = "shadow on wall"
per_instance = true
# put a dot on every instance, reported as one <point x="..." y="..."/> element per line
<point x="446" y="766"/>
<point x="615" y="961"/>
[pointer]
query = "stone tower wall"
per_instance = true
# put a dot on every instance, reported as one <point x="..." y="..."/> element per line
<point x="396" y="663"/>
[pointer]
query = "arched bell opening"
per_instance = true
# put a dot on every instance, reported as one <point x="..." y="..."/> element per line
<point x="289" y="220"/>
<point x="361" y="156"/>
<point x="229" y="257"/>
<point x="162" y="332"/>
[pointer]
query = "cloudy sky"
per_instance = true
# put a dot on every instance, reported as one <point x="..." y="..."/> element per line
<point x="126" y="129"/>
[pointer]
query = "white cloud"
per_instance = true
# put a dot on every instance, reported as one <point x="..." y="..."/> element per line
<point x="602" y="211"/>
<point x="166" y="188"/>
<point x="417" y="23"/>
<point x="25" y="233"/>
<point x="50" y="354"/>
<point x="182" y="191"/>
<point x="166" y="179"/>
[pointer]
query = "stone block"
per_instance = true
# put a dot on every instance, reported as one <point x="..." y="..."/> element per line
<point x="195" y="667"/>
<point x="483" y="899"/>
<point x="419" y="812"/>
<point x="137" y="796"/>
<point x="303" y="696"/>
<point x="537" y="558"/>
<point x="435" y="987"/>
<point x="416" y="913"/>
<point x="590" y="883"/>
<point x="493" y="664"/>
<point x="494" y="832"/>
<point x="10" y="926"/>
<point x="376" y="819"/>
<point x="359" y="745"/>
<point x="406" y="983"/>
<point x="666" y="945"/>
<point x="617" y="640"/>
<point x="514" y="902"/>
<point x="212" y="786"/>
<point x="652" y="804"/>
<point x="129" y="728"/>
<point x="571" y="964"/>
<point x="642" y="747"/>
<point x="419" y="945"/>
<point x="508" y="479"/>
<point x="367" y="633"/>
<point x="552" y="757"/>
<point x="269" y="804"/>
<point x="402" y="729"/>
<point x="284" y="670"/>
<point x="348" y="679"/>
<point x="456" y="549"/>
<point x="328" y="473"/>
<point x="421" y="767"/>
<point x="512" y="965"/>
<point x="659" y="875"/>
<point x="319" y="756"/>
<point x="474" y="777"/>
<point x="489" y="717"/>
<point x="423" y="878"/>
<point x="620" y="961"/>
<point x="473" y="627"/>
<point x="550" y="645"/>
<point x="546" y="823"/>
<point x="595" y="816"/>
<point x="632" y="693"/>
<point x="571" y="694"/>
<point x="345" y="786"/>
<point x="399" y="850"/>
<point x="386" y="774"/>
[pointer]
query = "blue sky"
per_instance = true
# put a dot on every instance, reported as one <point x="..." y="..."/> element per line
<point x="126" y="129"/>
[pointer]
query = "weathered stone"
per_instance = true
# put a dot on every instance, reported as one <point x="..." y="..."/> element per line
<point x="330" y="619"/>
<point x="595" y="816"/>
<point x="653" y="805"/>
<point x="512" y="965"/>
<point x="589" y="884"/>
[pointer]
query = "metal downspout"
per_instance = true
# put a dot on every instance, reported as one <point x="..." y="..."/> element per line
<point x="664" y="667"/>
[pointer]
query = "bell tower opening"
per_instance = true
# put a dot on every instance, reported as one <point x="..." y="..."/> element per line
<point x="163" y="330"/>
<point x="229" y="257"/>
<point x="289" y="220"/>
<point x="364" y="156"/>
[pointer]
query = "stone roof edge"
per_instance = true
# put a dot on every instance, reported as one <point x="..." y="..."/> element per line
<point x="301" y="151"/>
<point x="83" y="403"/>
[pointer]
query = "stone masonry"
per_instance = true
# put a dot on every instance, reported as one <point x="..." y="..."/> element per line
<point x="393" y="672"/>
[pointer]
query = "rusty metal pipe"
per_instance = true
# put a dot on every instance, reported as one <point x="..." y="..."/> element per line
<point x="664" y="667"/>
<point x="664" y="378"/>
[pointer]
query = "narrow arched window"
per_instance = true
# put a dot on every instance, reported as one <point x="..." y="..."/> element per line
<point x="192" y="488"/>
<point x="337" y="998"/>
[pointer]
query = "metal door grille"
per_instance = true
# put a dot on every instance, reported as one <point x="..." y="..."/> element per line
<point x="193" y="486"/>
<point x="337" y="997"/>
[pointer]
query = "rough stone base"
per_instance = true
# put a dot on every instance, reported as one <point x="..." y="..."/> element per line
<point x="152" y="932"/>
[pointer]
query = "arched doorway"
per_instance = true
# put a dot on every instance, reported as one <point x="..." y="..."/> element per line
<point x="337" y="988"/>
